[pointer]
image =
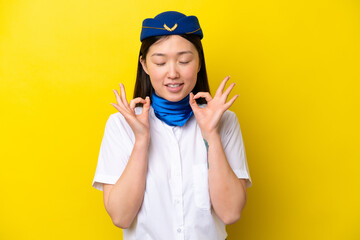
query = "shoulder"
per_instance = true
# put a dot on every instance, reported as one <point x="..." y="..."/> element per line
<point x="117" y="124"/>
<point x="228" y="123"/>
<point x="229" y="117"/>
<point x="116" y="117"/>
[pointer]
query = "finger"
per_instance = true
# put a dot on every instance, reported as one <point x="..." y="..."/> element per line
<point x="193" y="103"/>
<point x="135" y="101"/>
<point x="118" y="108"/>
<point x="221" y="87"/>
<point x="205" y="95"/>
<point x="114" y="105"/>
<point x="228" y="90"/>
<point x="118" y="99"/>
<point x="125" y="113"/>
<point x="123" y="95"/>
<point x="231" y="101"/>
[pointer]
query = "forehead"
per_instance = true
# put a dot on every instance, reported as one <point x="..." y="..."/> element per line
<point x="172" y="44"/>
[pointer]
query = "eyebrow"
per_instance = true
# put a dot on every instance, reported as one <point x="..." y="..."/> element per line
<point x="179" y="53"/>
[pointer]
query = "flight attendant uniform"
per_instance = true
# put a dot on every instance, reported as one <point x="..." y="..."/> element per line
<point x="176" y="201"/>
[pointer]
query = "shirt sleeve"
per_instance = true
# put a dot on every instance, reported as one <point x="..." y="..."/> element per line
<point x="115" y="150"/>
<point x="233" y="144"/>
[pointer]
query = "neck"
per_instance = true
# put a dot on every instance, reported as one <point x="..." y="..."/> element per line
<point x="172" y="113"/>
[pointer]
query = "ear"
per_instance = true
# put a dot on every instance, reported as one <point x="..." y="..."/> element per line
<point x="143" y="64"/>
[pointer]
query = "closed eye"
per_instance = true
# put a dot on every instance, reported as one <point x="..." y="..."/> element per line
<point x="159" y="64"/>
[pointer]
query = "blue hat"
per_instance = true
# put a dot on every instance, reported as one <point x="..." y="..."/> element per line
<point x="170" y="23"/>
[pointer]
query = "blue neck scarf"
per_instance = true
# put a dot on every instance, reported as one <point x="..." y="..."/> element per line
<point x="172" y="113"/>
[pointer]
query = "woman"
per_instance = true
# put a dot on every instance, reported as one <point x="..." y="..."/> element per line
<point x="170" y="166"/>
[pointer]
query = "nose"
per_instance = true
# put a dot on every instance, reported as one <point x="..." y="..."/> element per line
<point x="173" y="72"/>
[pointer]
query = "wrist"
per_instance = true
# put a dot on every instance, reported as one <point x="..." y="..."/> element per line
<point x="142" y="140"/>
<point x="211" y="138"/>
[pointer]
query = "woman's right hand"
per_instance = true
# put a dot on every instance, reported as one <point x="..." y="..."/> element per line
<point x="138" y="123"/>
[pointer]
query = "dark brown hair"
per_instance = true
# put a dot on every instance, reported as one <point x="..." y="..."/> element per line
<point x="143" y="85"/>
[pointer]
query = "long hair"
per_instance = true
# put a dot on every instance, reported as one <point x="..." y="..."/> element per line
<point x="143" y="85"/>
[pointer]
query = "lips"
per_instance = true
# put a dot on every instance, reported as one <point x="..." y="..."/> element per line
<point x="174" y="87"/>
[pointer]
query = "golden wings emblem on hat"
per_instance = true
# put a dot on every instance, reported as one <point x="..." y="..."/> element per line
<point x="170" y="29"/>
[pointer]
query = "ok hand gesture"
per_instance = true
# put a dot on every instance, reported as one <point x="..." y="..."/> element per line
<point x="209" y="117"/>
<point x="138" y="123"/>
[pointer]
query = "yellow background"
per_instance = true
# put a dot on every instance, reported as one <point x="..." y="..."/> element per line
<point x="296" y="65"/>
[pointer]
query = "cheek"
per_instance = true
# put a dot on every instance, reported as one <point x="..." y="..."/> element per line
<point x="191" y="72"/>
<point x="155" y="73"/>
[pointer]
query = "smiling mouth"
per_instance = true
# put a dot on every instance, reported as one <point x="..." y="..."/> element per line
<point x="174" y="85"/>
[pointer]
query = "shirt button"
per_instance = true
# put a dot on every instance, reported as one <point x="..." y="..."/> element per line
<point x="179" y="230"/>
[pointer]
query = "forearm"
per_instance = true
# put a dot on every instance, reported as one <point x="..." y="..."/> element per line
<point x="227" y="193"/>
<point x="126" y="196"/>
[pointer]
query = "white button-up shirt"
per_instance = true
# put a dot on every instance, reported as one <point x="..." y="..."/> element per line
<point x="176" y="202"/>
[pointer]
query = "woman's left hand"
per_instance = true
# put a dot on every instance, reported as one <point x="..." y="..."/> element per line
<point x="209" y="117"/>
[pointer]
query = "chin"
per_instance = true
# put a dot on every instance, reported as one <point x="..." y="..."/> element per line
<point x="174" y="99"/>
<point x="178" y="98"/>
